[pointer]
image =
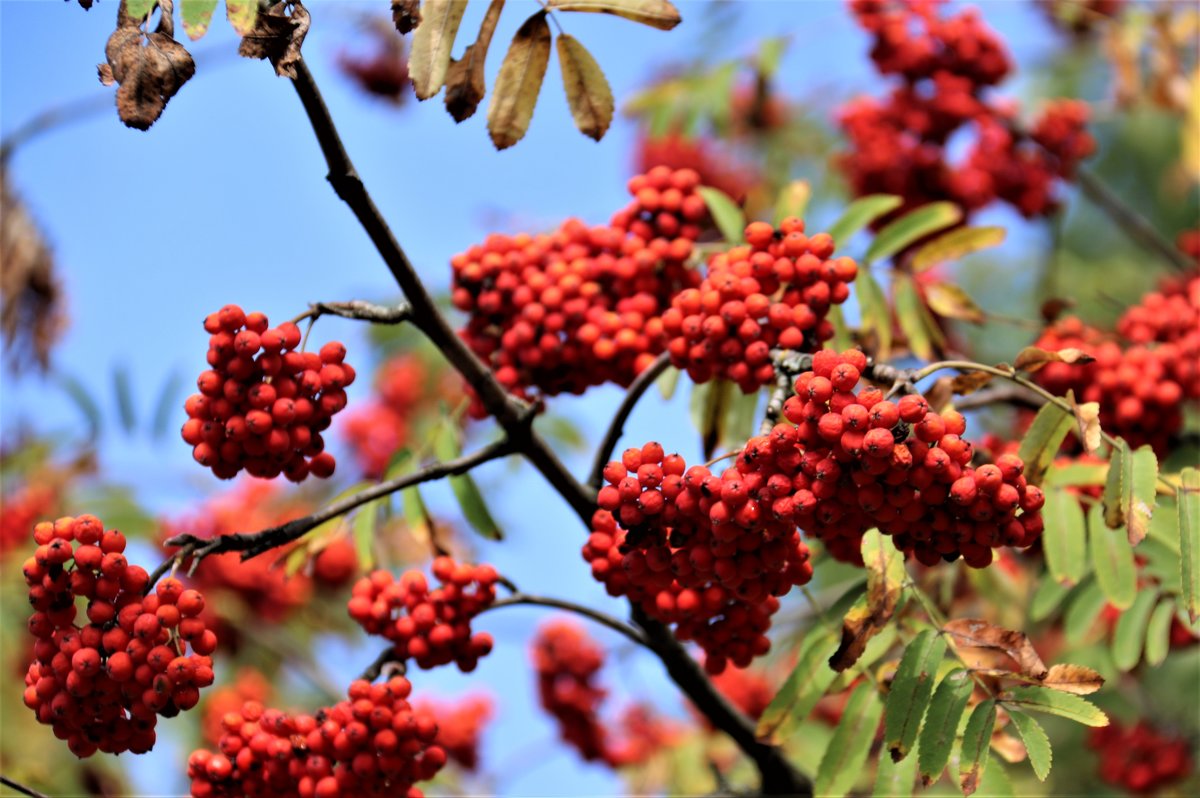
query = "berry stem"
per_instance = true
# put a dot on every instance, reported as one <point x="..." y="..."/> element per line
<point x="587" y="612"/>
<point x="615" y="427"/>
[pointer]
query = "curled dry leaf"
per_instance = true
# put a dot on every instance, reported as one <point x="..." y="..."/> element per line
<point x="974" y="633"/>
<point x="1087" y="417"/>
<point x="465" y="84"/>
<point x="1075" y="679"/>
<point x="149" y="68"/>
<point x="588" y="92"/>
<point x="516" y="90"/>
<point x="1031" y="358"/>
<point x="406" y="14"/>
<point x="31" y="313"/>
<point x="969" y="383"/>
<point x="278" y="34"/>
<point x="885" y="582"/>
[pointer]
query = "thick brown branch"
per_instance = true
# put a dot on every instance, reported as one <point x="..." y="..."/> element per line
<point x="255" y="543"/>
<point x="617" y="426"/>
<point x="570" y="606"/>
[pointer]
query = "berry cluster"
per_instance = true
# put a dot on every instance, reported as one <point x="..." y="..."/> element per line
<point x="748" y="690"/>
<point x="701" y="155"/>
<point x="431" y="627"/>
<point x="1141" y="377"/>
<point x="262" y="406"/>
<point x="19" y="510"/>
<point x="945" y="65"/>
<point x="248" y="685"/>
<point x="774" y="291"/>
<point x="580" y="306"/>
<point x="102" y="685"/>
<point x="1140" y="759"/>
<point x="460" y="725"/>
<point x="567" y="661"/>
<point x="642" y="733"/>
<point x="373" y="744"/>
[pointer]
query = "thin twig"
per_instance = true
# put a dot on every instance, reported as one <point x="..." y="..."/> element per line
<point x="518" y="599"/>
<point x="21" y="788"/>
<point x="386" y="657"/>
<point x="358" y="309"/>
<point x="254" y="543"/>
<point x="1134" y="224"/>
<point x="615" y="427"/>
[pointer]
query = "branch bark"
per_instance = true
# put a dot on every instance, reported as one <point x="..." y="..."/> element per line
<point x="21" y="788"/>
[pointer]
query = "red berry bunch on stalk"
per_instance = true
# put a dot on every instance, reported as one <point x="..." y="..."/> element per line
<point x="773" y="292"/>
<point x="1141" y="758"/>
<point x="102" y="685"/>
<point x="373" y="744"/>
<point x="701" y="155"/>
<point x="580" y="306"/>
<point x="945" y="65"/>
<point x="430" y="627"/>
<point x="460" y="725"/>
<point x="263" y="405"/>
<point x="567" y="661"/>
<point x="248" y="685"/>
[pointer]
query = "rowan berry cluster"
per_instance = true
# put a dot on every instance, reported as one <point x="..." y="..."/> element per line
<point x="579" y="307"/>
<point x="460" y="726"/>
<point x="262" y="405"/>
<point x="430" y="627"/>
<point x="1140" y="385"/>
<point x="773" y="292"/>
<point x="701" y="155"/>
<point x="19" y="510"/>
<point x="248" y="685"/>
<point x="945" y="64"/>
<point x="1141" y="758"/>
<point x="373" y="744"/>
<point x="642" y="733"/>
<point x="748" y="690"/>
<point x="567" y="661"/>
<point x="102" y="685"/>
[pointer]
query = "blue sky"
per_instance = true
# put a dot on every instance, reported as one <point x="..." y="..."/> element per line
<point x="224" y="200"/>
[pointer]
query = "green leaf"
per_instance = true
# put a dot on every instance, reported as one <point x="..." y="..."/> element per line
<point x="668" y="381"/>
<point x="1142" y="494"/>
<point x="432" y="43"/>
<point x="911" y="691"/>
<point x="1075" y="474"/>
<point x="139" y="8"/>
<point x="588" y="94"/>
<point x="1084" y="606"/>
<point x="167" y="404"/>
<point x="976" y="740"/>
<point x="655" y="13"/>
<point x="861" y="213"/>
<point x="741" y="418"/>
<point x="941" y="723"/>
<point x="83" y="400"/>
<point x="873" y="305"/>
<point x="1055" y="702"/>
<point x="515" y="92"/>
<point x="1037" y="744"/>
<point x="841" y="340"/>
<point x="1130" y="634"/>
<point x="956" y="244"/>
<point x="1158" y="632"/>
<point x="730" y="219"/>
<point x="793" y="199"/>
<point x="417" y="519"/>
<point x="770" y="53"/>
<point x="952" y="302"/>
<point x="242" y="15"/>
<point x="1042" y="440"/>
<point x="1064" y="539"/>
<point x="124" y="393"/>
<point x="912" y="227"/>
<point x="1112" y="557"/>
<point x="446" y="447"/>
<point x="843" y="761"/>
<point x="896" y="779"/>
<point x="804" y="686"/>
<point x="197" y="14"/>
<point x="995" y="783"/>
<point x="1188" y="498"/>
<point x="1120" y="479"/>
<point x="365" y="523"/>
<point x="709" y="409"/>
<point x="1047" y="598"/>
<point x="911" y="316"/>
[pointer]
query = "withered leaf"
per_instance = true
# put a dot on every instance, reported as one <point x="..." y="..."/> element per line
<point x="465" y="85"/>
<point x="655" y="13"/>
<point x="1075" y="679"/>
<point x="1053" y="308"/>
<point x="406" y="14"/>
<point x="1030" y="359"/>
<point x="429" y="59"/>
<point x="975" y="633"/>
<point x="277" y="36"/>
<point x="970" y="382"/>
<point x="588" y="92"/>
<point x="1087" y="417"/>
<point x="150" y="68"/>
<point x="516" y="91"/>
<point x="242" y="15"/>
<point x="885" y="580"/>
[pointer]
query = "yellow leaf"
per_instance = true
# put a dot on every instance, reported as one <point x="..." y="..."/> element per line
<point x="1073" y="679"/>
<point x="431" y="45"/>
<point x="655" y="13"/>
<point x="956" y="244"/>
<point x="952" y="302"/>
<point x="588" y="93"/>
<point x="520" y="79"/>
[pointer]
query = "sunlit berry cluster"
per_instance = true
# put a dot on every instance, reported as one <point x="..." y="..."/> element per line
<point x="945" y="65"/>
<point x="101" y="684"/>
<point x="430" y="627"/>
<point x="704" y="156"/>
<point x="460" y="725"/>
<point x="372" y="744"/>
<point x="248" y="685"/>
<point x="1141" y="759"/>
<point x="263" y="405"/>
<point x="578" y="307"/>
<point x="773" y="292"/>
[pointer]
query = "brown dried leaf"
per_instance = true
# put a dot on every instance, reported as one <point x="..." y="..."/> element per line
<point x="858" y="627"/>
<point x="1031" y="358"/>
<point x="465" y="84"/>
<point x="516" y="90"/>
<point x="429" y="59"/>
<point x="149" y="68"/>
<point x="885" y="581"/>
<point x="1075" y="679"/>
<point x="278" y="34"/>
<point x="31" y="312"/>
<point x="406" y="14"/>
<point x="1087" y="417"/>
<point x="1054" y="307"/>
<point x="975" y="633"/>
<point x="1009" y="748"/>
<point x="588" y="92"/>
<point x="970" y="382"/>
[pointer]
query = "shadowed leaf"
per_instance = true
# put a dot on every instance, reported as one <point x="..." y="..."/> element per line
<point x="952" y="302"/>
<point x="847" y="752"/>
<point x="976" y="740"/>
<point x="465" y="84"/>
<point x="515" y="92"/>
<point x="1064" y="539"/>
<point x="728" y="215"/>
<point x="911" y="691"/>
<point x="911" y="227"/>
<point x="277" y="36"/>
<point x="1084" y="606"/>
<point x="956" y="244"/>
<point x="941" y="723"/>
<point x="1158" y="632"/>
<point x="588" y="94"/>
<point x="1030" y="359"/>
<point x="913" y="318"/>
<point x="860" y="213"/>
<point x="800" y="692"/>
<point x="1037" y="744"/>
<point x="429" y="59"/>
<point x="655" y="13"/>
<point x="1112" y="557"/>
<point x="1129" y="638"/>
<point x="873" y="305"/>
<point x="1040" y="445"/>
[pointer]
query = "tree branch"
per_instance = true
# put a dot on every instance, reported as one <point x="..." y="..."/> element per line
<point x="1001" y="394"/>
<point x="21" y="788"/>
<point x="1134" y="224"/>
<point x="253" y="544"/>
<point x="358" y="309"/>
<point x="386" y="657"/>
<point x="617" y="426"/>
<point x="570" y="606"/>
